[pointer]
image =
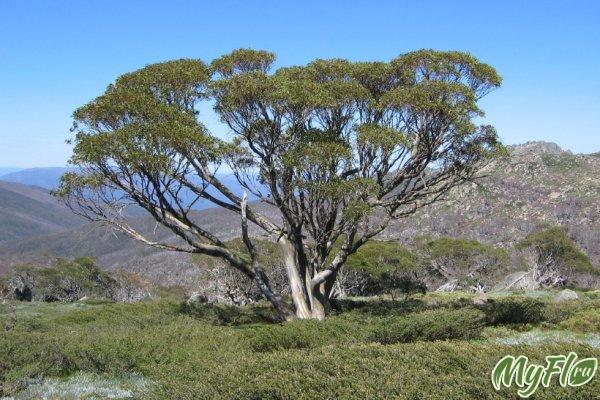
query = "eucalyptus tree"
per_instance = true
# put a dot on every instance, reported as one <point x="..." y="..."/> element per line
<point x="338" y="148"/>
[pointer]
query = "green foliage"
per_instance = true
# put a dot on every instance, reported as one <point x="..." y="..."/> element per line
<point x="460" y="248"/>
<point x="295" y="335"/>
<point x="514" y="310"/>
<point x="587" y="321"/>
<point x="243" y="61"/>
<point x="431" y="325"/>
<point x="470" y="261"/>
<point x="555" y="243"/>
<point x="556" y="312"/>
<point x="463" y="253"/>
<point x="223" y="314"/>
<point x="388" y="268"/>
<point x="561" y="162"/>
<point x="181" y="356"/>
<point x="378" y="306"/>
<point x="378" y="257"/>
<point x="67" y="280"/>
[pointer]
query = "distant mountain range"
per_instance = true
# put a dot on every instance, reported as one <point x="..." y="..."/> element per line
<point x="8" y="170"/>
<point x="47" y="178"/>
<point x="537" y="184"/>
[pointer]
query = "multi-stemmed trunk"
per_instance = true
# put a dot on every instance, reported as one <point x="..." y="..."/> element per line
<point x="309" y="301"/>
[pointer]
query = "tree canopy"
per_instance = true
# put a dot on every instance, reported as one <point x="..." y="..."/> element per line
<point x="338" y="148"/>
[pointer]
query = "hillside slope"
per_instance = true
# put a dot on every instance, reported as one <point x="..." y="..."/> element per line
<point x="539" y="184"/>
<point x="115" y="250"/>
<point x="26" y="211"/>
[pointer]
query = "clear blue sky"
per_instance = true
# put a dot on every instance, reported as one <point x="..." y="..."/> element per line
<point x="57" y="55"/>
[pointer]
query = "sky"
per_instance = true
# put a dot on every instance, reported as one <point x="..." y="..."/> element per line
<point x="57" y="55"/>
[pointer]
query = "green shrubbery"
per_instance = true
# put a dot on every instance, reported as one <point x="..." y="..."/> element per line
<point x="514" y="310"/>
<point x="587" y="321"/>
<point x="224" y="314"/>
<point x="469" y="261"/>
<point x="431" y="325"/>
<point x="389" y="268"/>
<point x="73" y="280"/>
<point x="378" y="257"/>
<point x="378" y="306"/>
<point x="555" y="244"/>
<point x="65" y="281"/>
<point x="188" y="354"/>
<point x="385" y="268"/>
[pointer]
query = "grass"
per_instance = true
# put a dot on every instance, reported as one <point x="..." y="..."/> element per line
<point x="367" y="349"/>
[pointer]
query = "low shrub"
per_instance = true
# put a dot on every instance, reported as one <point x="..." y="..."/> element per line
<point x="184" y="357"/>
<point x="586" y="321"/>
<point x="296" y="335"/>
<point x="224" y="314"/>
<point x="378" y="306"/>
<point x="513" y="310"/>
<point x="556" y="312"/>
<point x="431" y="326"/>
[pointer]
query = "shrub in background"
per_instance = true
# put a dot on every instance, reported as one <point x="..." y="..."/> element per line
<point x="432" y="325"/>
<point x="554" y="245"/>
<point x="469" y="261"/>
<point x="386" y="268"/>
<point x="70" y="281"/>
<point x="514" y="310"/>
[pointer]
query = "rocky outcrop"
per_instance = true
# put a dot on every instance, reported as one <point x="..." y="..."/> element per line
<point x="521" y="280"/>
<point x="565" y="295"/>
<point x="450" y="286"/>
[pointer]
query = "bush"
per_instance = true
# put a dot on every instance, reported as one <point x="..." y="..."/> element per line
<point x="66" y="281"/>
<point x="378" y="257"/>
<point x="431" y="325"/>
<point x="554" y="244"/>
<point x="378" y="306"/>
<point x="513" y="310"/>
<point x="385" y="268"/>
<point x="224" y="314"/>
<point x="182" y="357"/>
<point x="586" y="321"/>
<point x="469" y="261"/>
<point x="296" y="335"/>
<point x="69" y="281"/>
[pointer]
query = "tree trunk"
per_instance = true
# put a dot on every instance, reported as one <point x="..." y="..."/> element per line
<point x="320" y="303"/>
<point x="283" y="310"/>
<point x="297" y="286"/>
<point x="309" y="302"/>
